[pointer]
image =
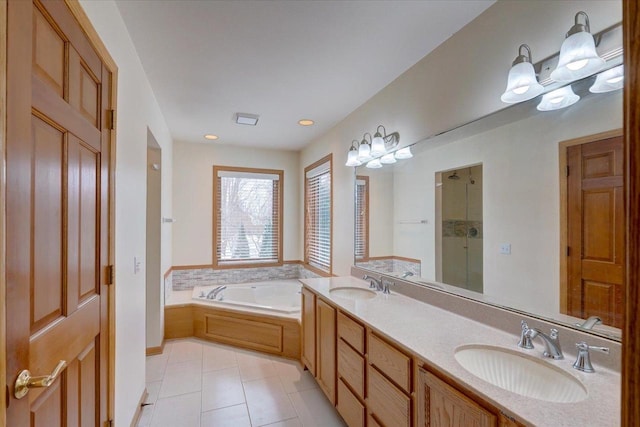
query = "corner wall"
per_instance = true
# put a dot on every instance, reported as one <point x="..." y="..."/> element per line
<point x="459" y="81"/>
<point x="137" y="110"/>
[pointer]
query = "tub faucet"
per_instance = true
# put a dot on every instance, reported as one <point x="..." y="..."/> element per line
<point x="213" y="292"/>
<point x="551" y="342"/>
<point x="218" y="291"/>
<point x="590" y="323"/>
<point x="406" y="274"/>
<point x="373" y="282"/>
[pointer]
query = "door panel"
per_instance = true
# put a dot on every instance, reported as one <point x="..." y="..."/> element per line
<point x="595" y="216"/>
<point x="57" y="216"/>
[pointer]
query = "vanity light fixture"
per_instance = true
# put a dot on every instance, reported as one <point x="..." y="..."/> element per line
<point x="364" y="149"/>
<point x="352" y="156"/>
<point x="522" y="83"/>
<point x="381" y="144"/>
<point x="558" y="99"/>
<point x="388" y="159"/>
<point x="609" y="80"/>
<point x="374" y="164"/>
<point x="578" y="56"/>
<point x="403" y="153"/>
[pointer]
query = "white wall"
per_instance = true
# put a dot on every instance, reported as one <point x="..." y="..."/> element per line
<point x="459" y="81"/>
<point x="137" y="109"/>
<point x="193" y="196"/>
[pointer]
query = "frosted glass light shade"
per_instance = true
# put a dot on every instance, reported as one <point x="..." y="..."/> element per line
<point x="374" y="164"/>
<point x="558" y="99"/>
<point x="364" y="151"/>
<point x="404" y="153"/>
<point x="522" y="84"/>
<point x="609" y="80"/>
<point x="388" y="159"/>
<point x="377" y="146"/>
<point x="352" y="158"/>
<point x="578" y="58"/>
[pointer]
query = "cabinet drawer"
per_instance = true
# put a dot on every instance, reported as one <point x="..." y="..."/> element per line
<point x="351" y="331"/>
<point x="349" y="407"/>
<point x="386" y="401"/>
<point x="390" y="361"/>
<point x="351" y="367"/>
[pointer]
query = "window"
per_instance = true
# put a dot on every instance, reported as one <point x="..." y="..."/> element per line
<point x="317" y="219"/>
<point x="247" y="212"/>
<point x="362" y="218"/>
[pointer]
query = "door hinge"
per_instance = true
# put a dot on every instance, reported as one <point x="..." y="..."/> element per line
<point x="111" y="119"/>
<point x="111" y="273"/>
<point x="566" y="171"/>
<point x="568" y="251"/>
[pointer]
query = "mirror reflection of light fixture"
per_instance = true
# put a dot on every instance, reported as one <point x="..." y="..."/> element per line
<point x="404" y="153"/>
<point x="382" y="144"/>
<point x="558" y="99"/>
<point x="609" y="80"/>
<point x="522" y="83"/>
<point x="388" y="159"/>
<point x="578" y="56"/>
<point x="374" y="164"/>
<point x="352" y="156"/>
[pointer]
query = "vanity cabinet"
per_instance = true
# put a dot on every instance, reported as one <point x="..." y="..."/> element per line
<point x="441" y="405"/>
<point x="388" y="383"/>
<point x="308" y="353"/>
<point x="351" y="371"/>
<point x="326" y="348"/>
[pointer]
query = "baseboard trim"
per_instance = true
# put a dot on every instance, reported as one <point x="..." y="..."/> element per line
<point x="152" y="351"/>
<point x="136" y="416"/>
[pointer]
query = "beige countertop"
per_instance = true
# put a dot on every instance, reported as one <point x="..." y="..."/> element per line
<point x="433" y="334"/>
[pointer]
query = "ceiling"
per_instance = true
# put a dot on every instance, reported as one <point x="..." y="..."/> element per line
<point x="282" y="60"/>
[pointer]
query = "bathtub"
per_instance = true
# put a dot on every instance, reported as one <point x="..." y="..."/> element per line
<point x="276" y="295"/>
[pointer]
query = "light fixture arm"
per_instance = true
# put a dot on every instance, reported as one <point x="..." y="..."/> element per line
<point x="523" y="57"/>
<point x="364" y="138"/>
<point x="579" y="28"/>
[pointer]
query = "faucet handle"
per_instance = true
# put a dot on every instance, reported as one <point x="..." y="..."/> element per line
<point x="386" y="284"/>
<point x="583" y="361"/>
<point x="525" y="339"/>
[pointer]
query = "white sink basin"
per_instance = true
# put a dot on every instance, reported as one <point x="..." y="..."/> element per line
<point x="521" y="374"/>
<point x="354" y="293"/>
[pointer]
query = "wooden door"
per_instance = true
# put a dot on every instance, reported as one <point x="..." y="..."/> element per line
<point x="326" y="348"/>
<point x="595" y="230"/>
<point x="57" y="216"/>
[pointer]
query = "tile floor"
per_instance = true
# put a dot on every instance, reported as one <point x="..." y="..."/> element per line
<point x="196" y="383"/>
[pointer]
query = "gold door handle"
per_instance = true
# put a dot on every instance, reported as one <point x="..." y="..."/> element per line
<point x="25" y="381"/>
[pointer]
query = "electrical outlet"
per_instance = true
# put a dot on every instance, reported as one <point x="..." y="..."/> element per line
<point x="505" y="248"/>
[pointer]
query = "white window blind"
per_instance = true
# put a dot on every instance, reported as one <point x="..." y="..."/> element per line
<point x="362" y="219"/>
<point x="247" y="216"/>
<point x="318" y="217"/>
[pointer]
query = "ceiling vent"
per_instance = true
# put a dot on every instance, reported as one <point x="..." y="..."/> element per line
<point x="247" y="119"/>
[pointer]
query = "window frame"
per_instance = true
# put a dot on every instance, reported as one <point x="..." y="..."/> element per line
<point x="365" y="231"/>
<point x="253" y="262"/>
<point x="326" y="159"/>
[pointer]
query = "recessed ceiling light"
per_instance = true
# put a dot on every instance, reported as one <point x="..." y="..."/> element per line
<point x="211" y="137"/>
<point x="247" y="119"/>
<point x="305" y="122"/>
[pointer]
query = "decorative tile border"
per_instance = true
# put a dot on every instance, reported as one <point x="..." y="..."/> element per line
<point x="392" y="265"/>
<point x="188" y="279"/>
<point x="462" y="228"/>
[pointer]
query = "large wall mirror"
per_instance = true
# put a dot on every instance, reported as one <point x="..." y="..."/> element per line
<point x="521" y="209"/>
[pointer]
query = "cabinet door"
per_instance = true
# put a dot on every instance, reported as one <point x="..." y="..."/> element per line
<point x="308" y="353"/>
<point x="440" y="405"/>
<point x="326" y="348"/>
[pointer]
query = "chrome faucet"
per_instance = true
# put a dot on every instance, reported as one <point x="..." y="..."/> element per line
<point x="406" y="274"/>
<point x="212" y="293"/>
<point x="583" y="361"/>
<point x="551" y="342"/>
<point x="373" y="282"/>
<point x="590" y="323"/>
<point x="385" y="286"/>
<point x="218" y="291"/>
<point x="525" y="339"/>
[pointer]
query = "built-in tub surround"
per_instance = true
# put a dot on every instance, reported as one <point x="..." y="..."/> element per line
<point x="247" y="325"/>
<point x="432" y="334"/>
<point x="184" y="278"/>
<point x="282" y="296"/>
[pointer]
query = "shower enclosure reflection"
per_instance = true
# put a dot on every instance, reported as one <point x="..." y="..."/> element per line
<point x="459" y="196"/>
